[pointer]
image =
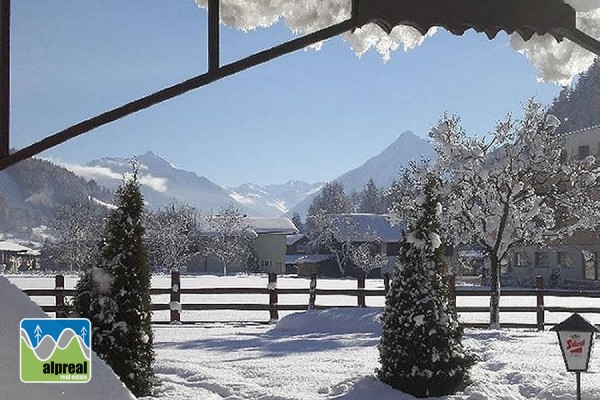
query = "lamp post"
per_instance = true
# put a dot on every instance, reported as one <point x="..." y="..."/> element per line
<point x="575" y="337"/>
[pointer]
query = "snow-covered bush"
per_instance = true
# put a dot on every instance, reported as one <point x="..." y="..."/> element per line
<point x="115" y="294"/>
<point x="420" y="349"/>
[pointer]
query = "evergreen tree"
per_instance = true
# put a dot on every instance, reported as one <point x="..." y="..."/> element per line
<point x="420" y="349"/>
<point x="115" y="294"/>
<point x="371" y="199"/>
<point x="331" y="200"/>
<point x="297" y="221"/>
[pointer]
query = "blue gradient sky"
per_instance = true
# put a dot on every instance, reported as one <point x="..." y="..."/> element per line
<point x="310" y="115"/>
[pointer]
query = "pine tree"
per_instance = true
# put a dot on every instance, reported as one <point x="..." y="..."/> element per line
<point x="115" y="294"/>
<point x="371" y="199"/>
<point x="420" y="349"/>
<point x="297" y="221"/>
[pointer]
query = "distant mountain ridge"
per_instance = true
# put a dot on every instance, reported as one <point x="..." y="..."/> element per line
<point x="382" y="168"/>
<point x="162" y="184"/>
<point x="278" y="198"/>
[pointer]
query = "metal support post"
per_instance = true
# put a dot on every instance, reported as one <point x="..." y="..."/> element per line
<point x="4" y="76"/>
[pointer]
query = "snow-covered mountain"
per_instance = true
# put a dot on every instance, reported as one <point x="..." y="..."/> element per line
<point x="274" y="200"/>
<point x="162" y="183"/>
<point x="382" y="168"/>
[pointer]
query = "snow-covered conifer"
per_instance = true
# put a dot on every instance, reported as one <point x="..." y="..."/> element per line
<point x="115" y="294"/>
<point x="420" y="349"/>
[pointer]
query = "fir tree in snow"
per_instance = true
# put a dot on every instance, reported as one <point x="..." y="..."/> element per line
<point x="420" y="349"/>
<point x="515" y="189"/>
<point x="371" y="199"/>
<point x="297" y="221"/>
<point x="115" y="294"/>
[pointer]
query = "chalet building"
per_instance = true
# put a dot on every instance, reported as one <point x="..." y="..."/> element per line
<point x="574" y="261"/>
<point x="269" y="244"/>
<point x="14" y="257"/>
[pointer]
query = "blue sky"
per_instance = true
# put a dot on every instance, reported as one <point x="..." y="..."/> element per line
<point x="311" y="115"/>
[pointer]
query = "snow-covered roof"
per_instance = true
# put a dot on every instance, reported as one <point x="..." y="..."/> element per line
<point x="582" y="130"/>
<point x="272" y="225"/>
<point x="291" y="239"/>
<point x="364" y="227"/>
<point x="253" y="226"/>
<point x="16" y="248"/>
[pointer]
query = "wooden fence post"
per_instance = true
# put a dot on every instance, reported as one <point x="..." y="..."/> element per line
<point x="539" y="284"/>
<point x="361" y="294"/>
<point x="451" y="282"/>
<point x="312" y="296"/>
<point x="59" y="296"/>
<point x="175" y="304"/>
<point x="272" y="286"/>
<point x="386" y="282"/>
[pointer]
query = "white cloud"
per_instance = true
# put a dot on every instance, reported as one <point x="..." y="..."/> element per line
<point x="98" y="173"/>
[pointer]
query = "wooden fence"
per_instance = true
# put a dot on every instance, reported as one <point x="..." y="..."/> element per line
<point x="312" y="292"/>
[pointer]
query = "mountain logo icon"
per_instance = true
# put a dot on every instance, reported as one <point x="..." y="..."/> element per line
<point x="55" y="350"/>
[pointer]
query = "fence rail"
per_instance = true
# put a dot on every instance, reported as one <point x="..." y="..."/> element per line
<point x="361" y="293"/>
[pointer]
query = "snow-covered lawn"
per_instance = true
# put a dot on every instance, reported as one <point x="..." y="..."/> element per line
<point x="332" y="354"/>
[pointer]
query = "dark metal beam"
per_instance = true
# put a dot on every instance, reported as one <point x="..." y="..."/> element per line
<point x="4" y="77"/>
<point x="174" y="91"/>
<point x="213" y="35"/>
<point x="581" y="39"/>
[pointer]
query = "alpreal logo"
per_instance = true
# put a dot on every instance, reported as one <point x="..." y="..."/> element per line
<point x="56" y="350"/>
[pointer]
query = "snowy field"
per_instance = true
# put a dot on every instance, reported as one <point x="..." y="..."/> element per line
<point x="332" y="354"/>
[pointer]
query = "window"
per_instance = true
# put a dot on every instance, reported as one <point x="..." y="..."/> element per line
<point x="265" y="263"/>
<point x="521" y="260"/>
<point x="565" y="260"/>
<point x="542" y="259"/>
<point x="583" y="152"/>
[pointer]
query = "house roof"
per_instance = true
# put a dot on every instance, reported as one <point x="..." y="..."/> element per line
<point x="292" y="239"/>
<point x="365" y="227"/>
<point x="17" y="248"/>
<point x="253" y="226"/>
<point x="272" y="225"/>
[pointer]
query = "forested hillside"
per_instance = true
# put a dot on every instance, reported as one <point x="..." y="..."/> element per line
<point x="578" y="107"/>
<point x="31" y="190"/>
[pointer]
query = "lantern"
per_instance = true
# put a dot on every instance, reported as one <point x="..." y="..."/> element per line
<point x="575" y="337"/>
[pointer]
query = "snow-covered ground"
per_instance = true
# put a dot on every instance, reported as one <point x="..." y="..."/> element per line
<point x="328" y="354"/>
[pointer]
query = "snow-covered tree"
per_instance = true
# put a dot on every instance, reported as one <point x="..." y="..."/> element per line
<point x="367" y="256"/>
<point x="339" y="235"/>
<point x="420" y="349"/>
<point x="172" y="235"/>
<point x="79" y="227"/>
<point x="514" y="189"/>
<point x="322" y="233"/>
<point x="228" y="237"/>
<point x="115" y="294"/>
